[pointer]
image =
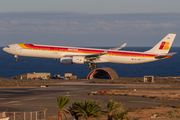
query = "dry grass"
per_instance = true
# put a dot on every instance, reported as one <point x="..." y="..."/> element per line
<point x="8" y="82"/>
<point x="156" y="94"/>
<point x="140" y="80"/>
<point x="159" y="113"/>
<point x="148" y="93"/>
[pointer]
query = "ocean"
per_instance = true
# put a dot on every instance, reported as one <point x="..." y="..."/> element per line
<point x="161" y="68"/>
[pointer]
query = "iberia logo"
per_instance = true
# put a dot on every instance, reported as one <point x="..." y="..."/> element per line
<point x="164" y="46"/>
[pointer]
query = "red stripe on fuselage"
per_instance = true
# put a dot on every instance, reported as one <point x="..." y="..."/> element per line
<point x="81" y="50"/>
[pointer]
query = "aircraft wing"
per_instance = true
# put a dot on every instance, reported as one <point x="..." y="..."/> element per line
<point x="89" y="57"/>
<point x="94" y="56"/>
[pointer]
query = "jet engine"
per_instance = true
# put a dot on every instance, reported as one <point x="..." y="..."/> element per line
<point x="66" y="60"/>
<point x="78" y="59"/>
<point x="73" y="59"/>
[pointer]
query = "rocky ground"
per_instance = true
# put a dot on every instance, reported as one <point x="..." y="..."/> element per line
<point x="163" y="112"/>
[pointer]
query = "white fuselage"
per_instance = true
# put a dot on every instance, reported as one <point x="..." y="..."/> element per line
<point x="57" y="52"/>
<point x="70" y="55"/>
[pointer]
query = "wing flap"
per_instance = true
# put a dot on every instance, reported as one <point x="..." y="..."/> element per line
<point x="96" y="55"/>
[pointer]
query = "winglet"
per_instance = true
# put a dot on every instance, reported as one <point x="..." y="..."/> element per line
<point x="119" y="47"/>
<point x="103" y="53"/>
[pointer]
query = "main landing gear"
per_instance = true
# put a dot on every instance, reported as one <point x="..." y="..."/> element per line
<point x="91" y="66"/>
<point x="16" y="58"/>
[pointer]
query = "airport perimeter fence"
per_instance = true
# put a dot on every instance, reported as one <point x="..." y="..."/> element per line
<point x="37" y="115"/>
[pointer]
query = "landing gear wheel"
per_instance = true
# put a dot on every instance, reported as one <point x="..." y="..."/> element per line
<point x="91" y="68"/>
<point x="95" y="66"/>
<point x="16" y="58"/>
<point x="87" y="66"/>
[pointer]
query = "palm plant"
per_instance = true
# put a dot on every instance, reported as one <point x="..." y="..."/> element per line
<point x="62" y="102"/>
<point x="112" y="108"/>
<point x="121" y="116"/>
<point x="72" y="110"/>
<point x="90" y="109"/>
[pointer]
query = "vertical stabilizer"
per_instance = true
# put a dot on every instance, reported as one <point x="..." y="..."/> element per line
<point x="163" y="47"/>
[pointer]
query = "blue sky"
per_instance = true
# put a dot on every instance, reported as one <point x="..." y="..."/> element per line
<point x="89" y="23"/>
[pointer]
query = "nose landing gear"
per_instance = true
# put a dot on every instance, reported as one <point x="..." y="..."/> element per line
<point x="16" y="58"/>
<point x="91" y="66"/>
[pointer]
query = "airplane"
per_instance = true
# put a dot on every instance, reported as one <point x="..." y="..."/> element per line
<point x="70" y="55"/>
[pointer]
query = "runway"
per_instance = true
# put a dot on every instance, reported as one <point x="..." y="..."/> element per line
<point x="35" y="99"/>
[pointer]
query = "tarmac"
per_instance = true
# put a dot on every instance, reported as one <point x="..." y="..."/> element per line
<point x="36" y="99"/>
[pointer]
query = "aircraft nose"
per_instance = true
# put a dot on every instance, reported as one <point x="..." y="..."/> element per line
<point x="4" y="49"/>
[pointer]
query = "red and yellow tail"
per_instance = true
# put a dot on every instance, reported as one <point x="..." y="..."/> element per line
<point x="163" y="47"/>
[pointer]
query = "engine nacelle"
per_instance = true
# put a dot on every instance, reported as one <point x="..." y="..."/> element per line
<point x="66" y="60"/>
<point x="78" y="59"/>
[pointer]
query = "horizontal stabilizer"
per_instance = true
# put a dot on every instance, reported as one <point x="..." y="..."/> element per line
<point x="167" y="55"/>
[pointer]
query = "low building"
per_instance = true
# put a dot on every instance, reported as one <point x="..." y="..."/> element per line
<point x="2" y="115"/>
<point x="148" y="78"/>
<point x="68" y="75"/>
<point x="34" y="75"/>
<point x="73" y="77"/>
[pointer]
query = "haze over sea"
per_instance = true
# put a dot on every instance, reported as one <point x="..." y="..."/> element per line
<point x="162" y="68"/>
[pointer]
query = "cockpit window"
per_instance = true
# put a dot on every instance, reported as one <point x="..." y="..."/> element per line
<point x="7" y="46"/>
